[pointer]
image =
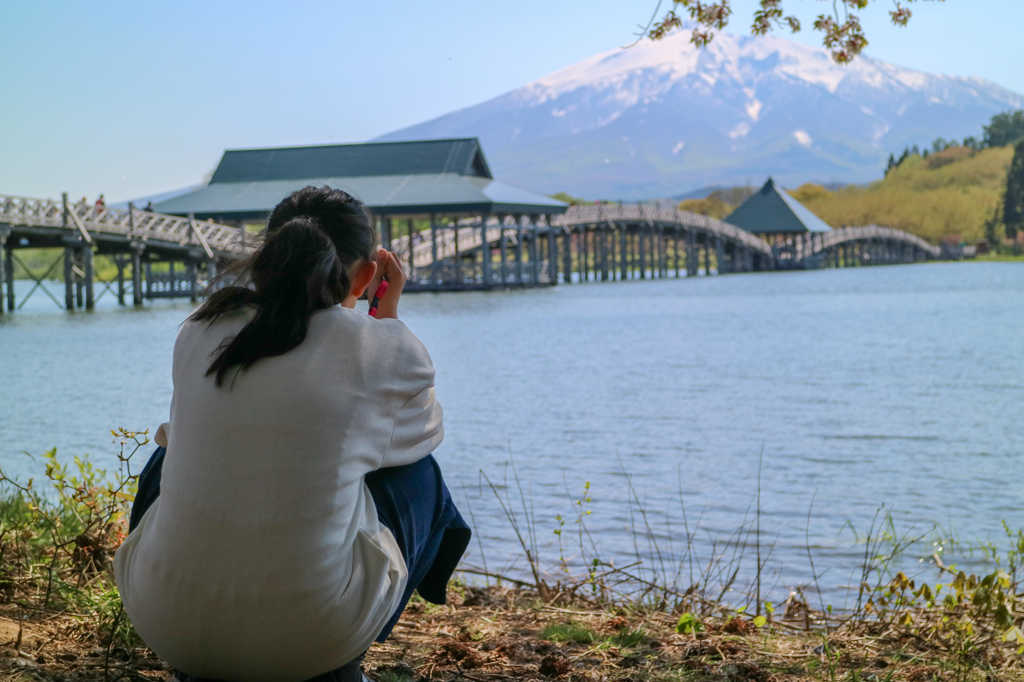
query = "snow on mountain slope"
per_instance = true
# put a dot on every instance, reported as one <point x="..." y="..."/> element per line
<point x="662" y="118"/>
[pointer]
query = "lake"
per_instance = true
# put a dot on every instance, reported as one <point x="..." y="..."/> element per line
<point x="860" y="388"/>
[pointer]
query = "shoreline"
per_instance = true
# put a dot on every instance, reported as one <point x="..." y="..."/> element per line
<point x="61" y="618"/>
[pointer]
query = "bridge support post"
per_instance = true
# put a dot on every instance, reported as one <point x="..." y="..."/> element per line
<point x="641" y="246"/>
<point x="192" y="274"/>
<point x="607" y="252"/>
<point x="567" y="263"/>
<point x="552" y="250"/>
<point x="412" y="252"/>
<point x="3" y="272"/>
<point x="90" y="276"/>
<point x="654" y="250"/>
<point x="433" y="248"/>
<point x="625" y="251"/>
<point x="581" y="252"/>
<point x="69" y="277"/>
<point x="534" y="251"/>
<point x="119" y="261"/>
<point x="502" y="251"/>
<point x="675" y="252"/>
<point x="720" y="257"/>
<point x="664" y="239"/>
<point x="6" y="275"/>
<point x="485" y="253"/>
<point x="456" y="255"/>
<point x="519" y="250"/>
<point x="136" y="273"/>
<point x="691" y="250"/>
<point x="79" y="284"/>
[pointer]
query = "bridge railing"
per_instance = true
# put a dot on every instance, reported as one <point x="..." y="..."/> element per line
<point x="86" y="219"/>
<point x="423" y="251"/>
<point x="870" y="232"/>
<point x="600" y="213"/>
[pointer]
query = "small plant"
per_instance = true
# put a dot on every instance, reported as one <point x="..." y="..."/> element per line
<point x="689" y="624"/>
<point x="569" y="632"/>
<point x="629" y="638"/>
<point x="57" y="542"/>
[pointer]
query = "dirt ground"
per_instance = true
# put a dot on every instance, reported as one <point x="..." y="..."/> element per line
<point x="497" y="634"/>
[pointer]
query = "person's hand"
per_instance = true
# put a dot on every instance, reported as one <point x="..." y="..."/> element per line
<point x="388" y="266"/>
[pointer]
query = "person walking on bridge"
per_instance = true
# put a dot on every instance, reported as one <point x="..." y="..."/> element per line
<point x="293" y="504"/>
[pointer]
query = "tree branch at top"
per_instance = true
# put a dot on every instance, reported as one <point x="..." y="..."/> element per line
<point x="842" y="33"/>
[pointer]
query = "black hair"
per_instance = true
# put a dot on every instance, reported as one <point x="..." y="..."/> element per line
<point x="301" y="265"/>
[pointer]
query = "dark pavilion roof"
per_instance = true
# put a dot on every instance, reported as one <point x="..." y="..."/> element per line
<point x="408" y="178"/>
<point x="771" y="211"/>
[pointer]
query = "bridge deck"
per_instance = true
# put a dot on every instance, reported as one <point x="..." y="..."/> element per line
<point x="601" y="242"/>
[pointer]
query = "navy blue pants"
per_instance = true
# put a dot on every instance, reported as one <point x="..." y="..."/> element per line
<point x="412" y="501"/>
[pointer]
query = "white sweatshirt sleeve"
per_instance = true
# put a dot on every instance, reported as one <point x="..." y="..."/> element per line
<point x="419" y="426"/>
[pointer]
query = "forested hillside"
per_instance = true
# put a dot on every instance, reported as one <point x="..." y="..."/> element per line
<point x="949" y="193"/>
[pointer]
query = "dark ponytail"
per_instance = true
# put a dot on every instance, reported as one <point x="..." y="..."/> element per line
<point x="311" y="240"/>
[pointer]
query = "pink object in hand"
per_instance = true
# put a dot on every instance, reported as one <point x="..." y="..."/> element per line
<point x="381" y="290"/>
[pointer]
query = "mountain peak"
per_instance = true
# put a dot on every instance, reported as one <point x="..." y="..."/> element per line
<point x="659" y="118"/>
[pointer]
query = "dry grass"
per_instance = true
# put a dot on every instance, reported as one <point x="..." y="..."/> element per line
<point x="498" y="634"/>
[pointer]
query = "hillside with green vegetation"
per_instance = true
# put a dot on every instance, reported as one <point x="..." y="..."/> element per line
<point x="951" y="192"/>
<point x="948" y="195"/>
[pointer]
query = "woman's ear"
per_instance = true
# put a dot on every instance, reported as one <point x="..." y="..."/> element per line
<point x="362" y="275"/>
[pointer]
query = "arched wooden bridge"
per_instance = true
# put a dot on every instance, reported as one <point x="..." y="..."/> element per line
<point x="634" y="241"/>
<point x="161" y="256"/>
<point x="855" y="246"/>
<point x="136" y="240"/>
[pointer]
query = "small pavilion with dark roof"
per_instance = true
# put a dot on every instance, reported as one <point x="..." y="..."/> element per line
<point x="773" y="215"/>
<point x="443" y="191"/>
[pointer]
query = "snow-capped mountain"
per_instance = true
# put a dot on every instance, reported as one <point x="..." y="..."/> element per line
<point x="663" y="118"/>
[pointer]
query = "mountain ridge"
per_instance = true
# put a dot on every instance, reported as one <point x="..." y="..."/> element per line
<point x="664" y="118"/>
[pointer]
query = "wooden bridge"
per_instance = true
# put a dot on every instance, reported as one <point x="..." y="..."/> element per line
<point x="855" y="246"/>
<point x="162" y="256"/>
<point x="146" y="248"/>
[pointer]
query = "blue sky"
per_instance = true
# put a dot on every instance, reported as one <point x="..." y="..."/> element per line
<point x="137" y="97"/>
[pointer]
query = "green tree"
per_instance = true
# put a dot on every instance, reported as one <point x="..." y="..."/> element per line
<point x="841" y="30"/>
<point x="1005" y="128"/>
<point x="993" y="223"/>
<point x="892" y="164"/>
<point x="1013" y="200"/>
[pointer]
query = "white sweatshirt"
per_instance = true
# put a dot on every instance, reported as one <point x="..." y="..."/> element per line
<point x="262" y="558"/>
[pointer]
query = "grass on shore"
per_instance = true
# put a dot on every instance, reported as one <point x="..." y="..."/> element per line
<point x="61" y="617"/>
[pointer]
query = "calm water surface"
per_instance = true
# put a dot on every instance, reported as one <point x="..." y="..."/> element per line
<point x="899" y="386"/>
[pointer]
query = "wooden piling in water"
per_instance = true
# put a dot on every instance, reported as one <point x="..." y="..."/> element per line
<point x="6" y="275"/>
<point x="519" y="251"/>
<point x="433" y="248"/>
<point x="485" y="255"/>
<point x="90" y="276"/>
<point x="137" y="273"/>
<point x="69" y="278"/>
<point x="3" y="271"/>
<point x="412" y="251"/>
<point x="641" y="248"/>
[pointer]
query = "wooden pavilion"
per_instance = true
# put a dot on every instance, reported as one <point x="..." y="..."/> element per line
<point x="436" y="203"/>
<point x="775" y="216"/>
